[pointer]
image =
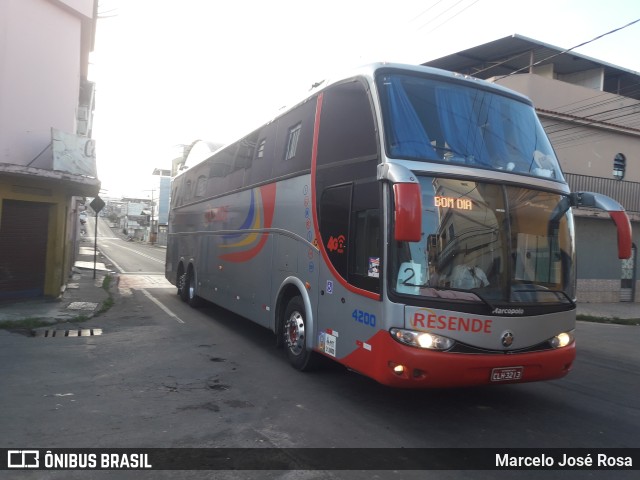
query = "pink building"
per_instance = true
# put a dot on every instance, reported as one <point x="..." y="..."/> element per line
<point x="47" y="158"/>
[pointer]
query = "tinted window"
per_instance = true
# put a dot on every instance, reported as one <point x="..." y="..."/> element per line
<point x="334" y="225"/>
<point x="295" y="139"/>
<point x="347" y="128"/>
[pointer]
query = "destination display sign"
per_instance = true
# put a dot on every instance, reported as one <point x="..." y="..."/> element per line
<point x="451" y="202"/>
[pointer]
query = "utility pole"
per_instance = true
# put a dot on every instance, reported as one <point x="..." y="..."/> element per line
<point x="152" y="236"/>
<point x="96" y="204"/>
<point x="152" y="233"/>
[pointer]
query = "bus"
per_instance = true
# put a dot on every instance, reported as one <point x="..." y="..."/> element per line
<point x="410" y="223"/>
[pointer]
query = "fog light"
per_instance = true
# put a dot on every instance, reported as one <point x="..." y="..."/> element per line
<point x="398" y="369"/>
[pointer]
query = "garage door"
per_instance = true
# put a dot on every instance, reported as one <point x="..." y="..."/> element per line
<point x="23" y="249"/>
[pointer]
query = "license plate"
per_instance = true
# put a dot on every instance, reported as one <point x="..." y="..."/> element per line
<point x="507" y="374"/>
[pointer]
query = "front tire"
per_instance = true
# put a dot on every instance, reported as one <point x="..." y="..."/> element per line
<point x="294" y="331"/>
<point x="192" y="299"/>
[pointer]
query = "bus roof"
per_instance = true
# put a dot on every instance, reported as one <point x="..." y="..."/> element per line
<point x="370" y="70"/>
<point x="366" y="71"/>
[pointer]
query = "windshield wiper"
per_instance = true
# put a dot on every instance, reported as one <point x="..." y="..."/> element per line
<point x="484" y="300"/>
<point x="540" y="289"/>
<point x="445" y="289"/>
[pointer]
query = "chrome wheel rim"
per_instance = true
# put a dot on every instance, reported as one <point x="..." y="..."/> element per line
<point x="294" y="335"/>
<point x="192" y="286"/>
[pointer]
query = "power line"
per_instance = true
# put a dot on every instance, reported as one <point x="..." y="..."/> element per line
<point x="440" y="14"/>
<point x="453" y="16"/>
<point x="425" y="11"/>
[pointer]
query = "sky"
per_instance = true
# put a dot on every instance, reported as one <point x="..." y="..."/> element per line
<point x="169" y="72"/>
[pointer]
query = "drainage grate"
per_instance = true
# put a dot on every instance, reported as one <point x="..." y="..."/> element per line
<point x="80" y="332"/>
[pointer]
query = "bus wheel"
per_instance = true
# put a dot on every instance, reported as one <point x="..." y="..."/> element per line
<point x="192" y="299"/>
<point x="295" y="336"/>
<point x="182" y="286"/>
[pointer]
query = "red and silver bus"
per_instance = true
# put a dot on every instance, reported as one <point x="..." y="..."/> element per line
<point x="409" y="223"/>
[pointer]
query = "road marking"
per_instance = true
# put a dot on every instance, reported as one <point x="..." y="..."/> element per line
<point x="158" y="303"/>
<point x="139" y="253"/>
<point x="112" y="261"/>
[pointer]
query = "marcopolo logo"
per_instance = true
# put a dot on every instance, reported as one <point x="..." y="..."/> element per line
<point x="508" y="311"/>
<point x="23" y="459"/>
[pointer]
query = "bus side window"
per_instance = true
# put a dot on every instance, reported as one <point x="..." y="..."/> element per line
<point x="188" y="192"/>
<point x="365" y="237"/>
<point x="346" y="176"/>
<point x="294" y="140"/>
<point x="264" y="156"/>
<point x="245" y="153"/>
<point x="335" y="206"/>
<point x="201" y="186"/>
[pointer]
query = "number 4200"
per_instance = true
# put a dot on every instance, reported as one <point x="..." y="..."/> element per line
<point x="364" y="317"/>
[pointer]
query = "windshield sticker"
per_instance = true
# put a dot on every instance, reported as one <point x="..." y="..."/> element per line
<point x="374" y="267"/>
<point x="409" y="278"/>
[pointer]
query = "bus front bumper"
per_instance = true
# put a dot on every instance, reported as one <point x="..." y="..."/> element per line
<point x="393" y="364"/>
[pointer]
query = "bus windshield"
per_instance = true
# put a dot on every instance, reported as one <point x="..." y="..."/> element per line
<point x="436" y="121"/>
<point x="486" y="242"/>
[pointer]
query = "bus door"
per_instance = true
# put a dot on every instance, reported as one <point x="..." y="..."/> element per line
<point x="349" y="309"/>
<point x="347" y="202"/>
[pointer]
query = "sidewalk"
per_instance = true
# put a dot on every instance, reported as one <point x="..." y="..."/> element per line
<point x="624" y="310"/>
<point x="83" y="295"/>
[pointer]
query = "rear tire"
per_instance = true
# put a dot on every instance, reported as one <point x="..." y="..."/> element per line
<point x="182" y="286"/>
<point x="294" y="331"/>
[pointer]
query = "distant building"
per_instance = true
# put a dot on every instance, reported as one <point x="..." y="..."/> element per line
<point x="162" y="194"/>
<point x="135" y="217"/>
<point x="591" y="111"/>
<point x="47" y="159"/>
<point x="162" y="190"/>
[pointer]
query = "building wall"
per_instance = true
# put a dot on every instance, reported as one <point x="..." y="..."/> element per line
<point x="39" y="55"/>
<point x="590" y="150"/>
<point x="44" y="48"/>
<point x="163" y="200"/>
<point x="585" y="150"/>
<point x="58" y="239"/>
<point x="598" y="267"/>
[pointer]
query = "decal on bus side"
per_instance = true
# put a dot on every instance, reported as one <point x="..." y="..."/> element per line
<point x="259" y="216"/>
<point x="336" y="244"/>
<point x="364" y="317"/>
<point x="328" y="342"/>
<point x="218" y="214"/>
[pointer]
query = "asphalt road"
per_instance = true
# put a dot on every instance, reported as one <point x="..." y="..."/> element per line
<point x="166" y="375"/>
<point x="125" y="257"/>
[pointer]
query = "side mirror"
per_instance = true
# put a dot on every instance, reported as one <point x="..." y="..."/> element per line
<point x="615" y="211"/>
<point x="408" y="212"/>
<point x="625" y="242"/>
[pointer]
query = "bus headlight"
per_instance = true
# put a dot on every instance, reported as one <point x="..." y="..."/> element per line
<point x="563" y="339"/>
<point x="421" y="339"/>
